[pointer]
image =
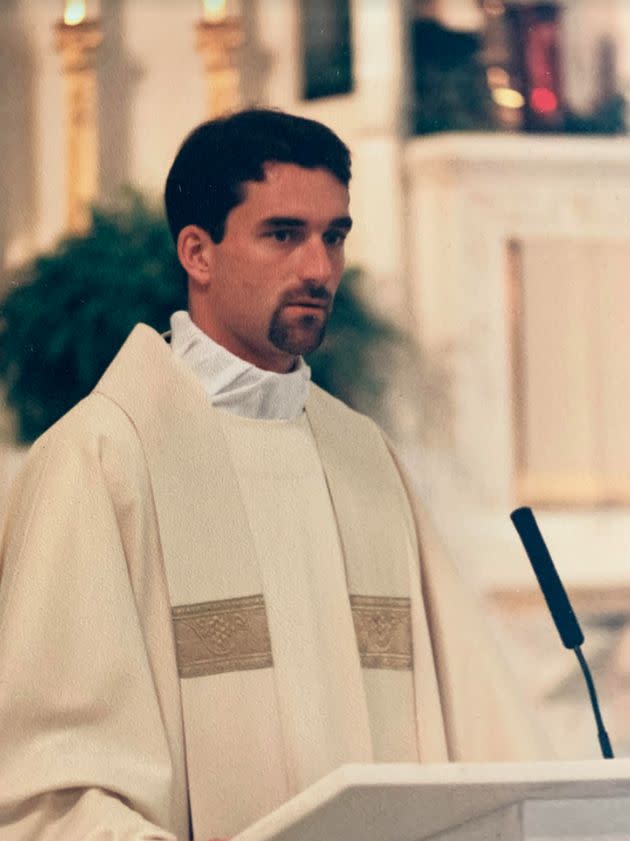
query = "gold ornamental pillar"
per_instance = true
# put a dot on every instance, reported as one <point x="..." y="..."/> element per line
<point x="219" y="38"/>
<point x="76" y="39"/>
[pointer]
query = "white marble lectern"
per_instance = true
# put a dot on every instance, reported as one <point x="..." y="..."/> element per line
<point x="545" y="801"/>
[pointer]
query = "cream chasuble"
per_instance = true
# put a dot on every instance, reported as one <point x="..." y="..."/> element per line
<point x="152" y="660"/>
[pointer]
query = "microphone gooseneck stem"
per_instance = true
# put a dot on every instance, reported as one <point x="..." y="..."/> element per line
<point x="602" y="735"/>
<point x="559" y="606"/>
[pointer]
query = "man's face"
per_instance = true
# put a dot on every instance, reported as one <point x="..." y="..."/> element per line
<point x="275" y="273"/>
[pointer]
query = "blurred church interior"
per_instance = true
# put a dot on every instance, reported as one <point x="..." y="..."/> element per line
<point x="491" y="198"/>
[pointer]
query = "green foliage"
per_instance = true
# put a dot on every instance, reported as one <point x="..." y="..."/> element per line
<point x="70" y="310"/>
<point x="353" y="362"/>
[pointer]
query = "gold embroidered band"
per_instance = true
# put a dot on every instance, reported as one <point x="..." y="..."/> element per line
<point x="383" y="628"/>
<point x="232" y="635"/>
<point x="222" y="636"/>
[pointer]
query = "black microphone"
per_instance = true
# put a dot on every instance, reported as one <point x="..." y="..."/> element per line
<point x="549" y="580"/>
<point x="559" y="606"/>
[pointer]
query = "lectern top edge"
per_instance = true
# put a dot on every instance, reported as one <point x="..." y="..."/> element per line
<point x="433" y="794"/>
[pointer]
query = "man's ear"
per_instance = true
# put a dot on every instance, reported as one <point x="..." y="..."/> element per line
<point x="195" y="252"/>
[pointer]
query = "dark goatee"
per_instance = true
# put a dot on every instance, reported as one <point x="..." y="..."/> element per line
<point x="305" y="335"/>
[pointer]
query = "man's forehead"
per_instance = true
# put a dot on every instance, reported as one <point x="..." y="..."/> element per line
<point x="292" y="190"/>
<point x="290" y="177"/>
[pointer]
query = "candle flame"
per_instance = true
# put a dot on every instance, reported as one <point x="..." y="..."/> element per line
<point x="74" y="12"/>
<point x="214" y="9"/>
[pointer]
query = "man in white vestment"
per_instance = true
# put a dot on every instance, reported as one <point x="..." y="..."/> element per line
<point x="216" y="586"/>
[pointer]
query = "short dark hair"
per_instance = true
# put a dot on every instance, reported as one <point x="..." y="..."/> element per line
<point x="206" y="179"/>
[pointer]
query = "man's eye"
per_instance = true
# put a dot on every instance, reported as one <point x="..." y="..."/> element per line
<point x="282" y="236"/>
<point x="334" y="237"/>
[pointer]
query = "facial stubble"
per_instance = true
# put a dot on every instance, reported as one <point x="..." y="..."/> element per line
<point x="297" y="337"/>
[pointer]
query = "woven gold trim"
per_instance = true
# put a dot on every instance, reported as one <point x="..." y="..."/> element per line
<point x="383" y="628"/>
<point x="232" y="635"/>
<point x="222" y="636"/>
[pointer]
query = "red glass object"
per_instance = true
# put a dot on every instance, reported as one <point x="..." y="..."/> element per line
<point x="543" y="101"/>
<point x="535" y="33"/>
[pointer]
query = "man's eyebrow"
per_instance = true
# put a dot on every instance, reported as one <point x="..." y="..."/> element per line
<point x="344" y="222"/>
<point x="283" y="222"/>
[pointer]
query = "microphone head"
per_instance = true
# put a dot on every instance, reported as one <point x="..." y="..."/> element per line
<point x="548" y="579"/>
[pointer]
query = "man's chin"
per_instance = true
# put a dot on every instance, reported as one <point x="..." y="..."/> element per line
<point x="298" y="339"/>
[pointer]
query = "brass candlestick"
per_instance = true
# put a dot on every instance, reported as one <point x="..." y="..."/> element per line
<point x="218" y="42"/>
<point x="77" y="44"/>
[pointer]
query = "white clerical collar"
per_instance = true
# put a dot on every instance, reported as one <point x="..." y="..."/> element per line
<point x="236" y="385"/>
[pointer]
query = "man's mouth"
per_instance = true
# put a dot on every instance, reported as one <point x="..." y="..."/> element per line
<point x="308" y="304"/>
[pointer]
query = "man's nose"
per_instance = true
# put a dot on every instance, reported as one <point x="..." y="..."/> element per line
<point x="316" y="261"/>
